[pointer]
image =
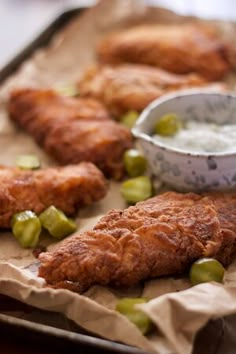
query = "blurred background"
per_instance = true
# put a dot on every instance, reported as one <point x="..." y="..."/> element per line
<point x="22" y="20"/>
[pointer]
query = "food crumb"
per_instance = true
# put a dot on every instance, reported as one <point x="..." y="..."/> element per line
<point x="37" y="250"/>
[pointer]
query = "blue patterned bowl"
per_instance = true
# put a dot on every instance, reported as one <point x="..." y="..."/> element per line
<point x="185" y="170"/>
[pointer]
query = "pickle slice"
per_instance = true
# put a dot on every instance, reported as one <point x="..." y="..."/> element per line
<point x="26" y="228"/>
<point x="28" y="162"/>
<point x="126" y="307"/>
<point x="57" y="223"/>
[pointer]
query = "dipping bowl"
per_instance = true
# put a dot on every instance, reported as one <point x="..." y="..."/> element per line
<point x="185" y="170"/>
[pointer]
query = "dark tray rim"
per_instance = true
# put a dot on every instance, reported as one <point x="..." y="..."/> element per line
<point x="40" y="41"/>
<point x="77" y="338"/>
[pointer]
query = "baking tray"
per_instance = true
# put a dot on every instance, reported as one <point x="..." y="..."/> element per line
<point x="40" y="41"/>
<point x="16" y="317"/>
<point x="24" y="322"/>
<point x="39" y="325"/>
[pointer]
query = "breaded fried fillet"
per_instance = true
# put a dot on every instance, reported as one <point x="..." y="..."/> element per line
<point x="132" y="87"/>
<point x="180" y="49"/>
<point x="160" y="236"/>
<point x="67" y="188"/>
<point x="71" y="130"/>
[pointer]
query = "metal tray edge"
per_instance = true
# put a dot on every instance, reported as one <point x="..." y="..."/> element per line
<point x="40" y="41"/>
<point x="78" y="338"/>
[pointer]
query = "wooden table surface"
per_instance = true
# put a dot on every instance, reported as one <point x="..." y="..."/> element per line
<point x="21" y="21"/>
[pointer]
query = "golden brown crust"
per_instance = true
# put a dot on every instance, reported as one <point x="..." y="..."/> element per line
<point x="67" y="188"/>
<point x="181" y="49"/>
<point x="131" y="86"/>
<point x="160" y="236"/>
<point x="226" y="210"/>
<point x="71" y="130"/>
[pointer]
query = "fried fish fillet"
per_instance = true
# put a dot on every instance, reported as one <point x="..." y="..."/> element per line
<point x="67" y="188"/>
<point x="71" y="130"/>
<point x="160" y="236"/>
<point x="181" y="49"/>
<point x="132" y="87"/>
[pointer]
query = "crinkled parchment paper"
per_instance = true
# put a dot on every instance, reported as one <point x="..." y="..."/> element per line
<point x="177" y="309"/>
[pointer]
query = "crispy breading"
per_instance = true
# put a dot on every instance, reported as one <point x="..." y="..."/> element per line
<point x="180" y="48"/>
<point x="226" y="209"/>
<point x="70" y="129"/>
<point x="67" y="188"/>
<point x="161" y="236"/>
<point x="131" y="86"/>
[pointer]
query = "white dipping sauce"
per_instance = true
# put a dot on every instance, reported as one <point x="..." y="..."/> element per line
<point x="202" y="137"/>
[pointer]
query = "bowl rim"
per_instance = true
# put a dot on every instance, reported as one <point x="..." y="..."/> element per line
<point x="138" y="133"/>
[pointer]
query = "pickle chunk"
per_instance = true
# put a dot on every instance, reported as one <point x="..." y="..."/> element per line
<point x="68" y="91"/>
<point x="129" y="119"/>
<point x="126" y="306"/>
<point x="136" y="189"/>
<point x="56" y="222"/>
<point x="26" y="228"/>
<point x="168" y="125"/>
<point x="135" y="163"/>
<point x="28" y="162"/>
<point x="205" y="270"/>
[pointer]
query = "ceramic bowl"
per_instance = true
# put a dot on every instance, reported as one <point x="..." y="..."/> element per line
<point x="184" y="170"/>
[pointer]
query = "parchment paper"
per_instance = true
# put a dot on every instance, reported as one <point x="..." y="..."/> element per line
<point x="177" y="310"/>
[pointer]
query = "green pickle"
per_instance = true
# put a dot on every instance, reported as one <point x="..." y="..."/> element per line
<point x="135" y="163"/>
<point x="57" y="223"/>
<point x="136" y="189"/>
<point x="129" y="119"/>
<point x="28" y="162"/>
<point x="26" y="228"/>
<point x="68" y="91"/>
<point x="126" y="307"/>
<point x="205" y="270"/>
<point x="168" y="125"/>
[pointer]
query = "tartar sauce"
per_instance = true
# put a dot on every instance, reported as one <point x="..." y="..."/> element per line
<point x="202" y="137"/>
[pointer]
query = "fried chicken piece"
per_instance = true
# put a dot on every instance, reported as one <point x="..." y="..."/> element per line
<point x="161" y="236"/>
<point x="226" y="209"/>
<point x="67" y="188"/>
<point x="132" y="87"/>
<point x="71" y="130"/>
<point x="181" y="49"/>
